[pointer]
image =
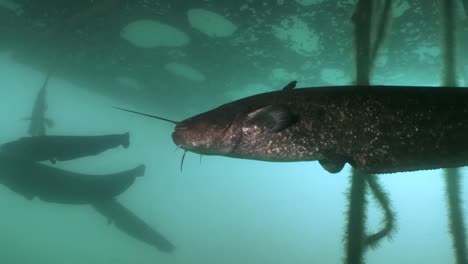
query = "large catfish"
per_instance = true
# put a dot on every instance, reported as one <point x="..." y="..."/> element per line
<point x="376" y="129"/>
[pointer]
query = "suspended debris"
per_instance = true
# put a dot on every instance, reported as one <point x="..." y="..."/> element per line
<point x="185" y="71"/>
<point x="309" y="2"/>
<point x="12" y="6"/>
<point x="150" y="34"/>
<point x="400" y="8"/>
<point x="282" y="75"/>
<point x="250" y="89"/>
<point x="297" y="35"/>
<point x="210" y="23"/>
<point x="334" y="76"/>
<point x="129" y="82"/>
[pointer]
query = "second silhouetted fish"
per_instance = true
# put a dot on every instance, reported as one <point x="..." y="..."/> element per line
<point x="132" y="225"/>
<point x="51" y="184"/>
<point x="61" y="148"/>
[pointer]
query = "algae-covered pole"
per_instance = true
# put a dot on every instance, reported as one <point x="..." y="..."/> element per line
<point x="355" y="230"/>
<point x="452" y="176"/>
<point x="356" y="219"/>
<point x="362" y="19"/>
<point x="448" y="43"/>
<point x="366" y="52"/>
<point x="456" y="224"/>
<point x="463" y="42"/>
<point x="381" y="29"/>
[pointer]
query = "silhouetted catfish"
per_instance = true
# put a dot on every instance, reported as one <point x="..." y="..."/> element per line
<point x="53" y="148"/>
<point x="39" y="122"/>
<point x="376" y="129"/>
<point x="131" y="224"/>
<point x="50" y="184"/>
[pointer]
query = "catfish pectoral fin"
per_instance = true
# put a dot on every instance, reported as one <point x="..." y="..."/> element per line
<point x="331" y="166"/>
<point x="272" y="118"/>
<point x="126" y="140"/>
<point x="140" y="170"/>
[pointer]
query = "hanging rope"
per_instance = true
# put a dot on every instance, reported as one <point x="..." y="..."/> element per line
<point x="383" y="201"/>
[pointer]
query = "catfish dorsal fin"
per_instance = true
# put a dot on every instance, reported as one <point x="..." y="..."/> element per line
<point x="290" y="86"/>
<point x="272" y="118"/>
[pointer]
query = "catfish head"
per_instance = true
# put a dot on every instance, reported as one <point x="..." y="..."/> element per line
<point x="216" y="132"/>
<point x="242" y="129"/>
<point x="235" y="130"/>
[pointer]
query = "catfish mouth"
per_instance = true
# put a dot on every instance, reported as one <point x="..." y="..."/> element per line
<point x="202" y="140"/>
<point x="184" y="143"/>
<point x="187" y="139"/>
<point x="178" y="136"/>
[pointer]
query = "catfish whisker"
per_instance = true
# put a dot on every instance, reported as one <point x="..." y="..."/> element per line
<point x="182" y="161"/>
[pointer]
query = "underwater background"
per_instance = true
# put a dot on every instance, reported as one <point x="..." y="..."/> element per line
<point x="190" y="58"/>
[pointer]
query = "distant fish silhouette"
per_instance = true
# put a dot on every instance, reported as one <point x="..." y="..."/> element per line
<point x="39" y="122"/>
<point x="61" y="148"/>
<point x="50" y="184"/>
<point x="132" y="225"/>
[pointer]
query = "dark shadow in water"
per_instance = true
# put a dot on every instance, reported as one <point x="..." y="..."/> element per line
<point x="30" y="179"/>
<point x="129" y="223"/>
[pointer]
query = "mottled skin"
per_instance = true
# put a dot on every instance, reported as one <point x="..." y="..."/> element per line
<point x="61" y="148"/>
<point x="378" y="129"/>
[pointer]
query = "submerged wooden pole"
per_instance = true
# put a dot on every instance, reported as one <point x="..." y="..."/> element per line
<point x="456" y="221"/>
<point x="362" y="19"/>
<point x="452" y="176"/>
<point x="448" y="43"/>
<point x="366" y="52"/>
<point x="355" y="232"/>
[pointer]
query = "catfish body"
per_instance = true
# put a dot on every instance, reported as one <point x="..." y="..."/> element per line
<point x="376" y="129"/>
<point x="39" y="122"/>
<point x="61" y="148"/>
<point x="131" y="224"/>
<point x="31" y="179"/>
